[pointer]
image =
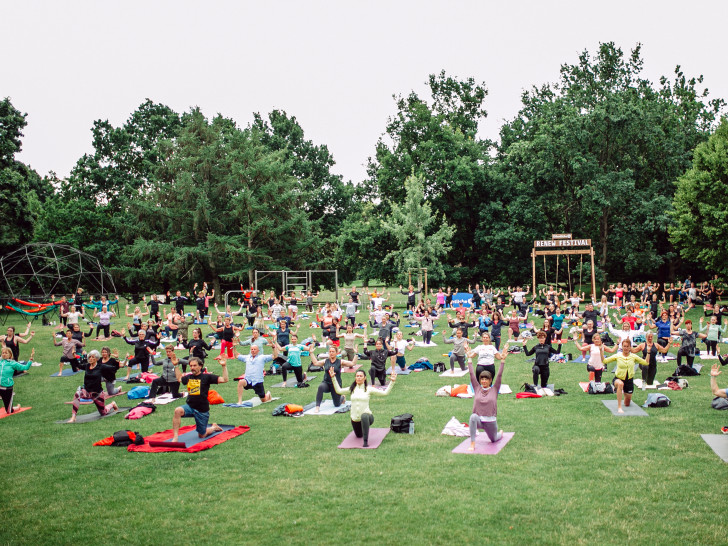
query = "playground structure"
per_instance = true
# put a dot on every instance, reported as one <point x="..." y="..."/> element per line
<point x="561" y="244"/>
<point x="297" y="280"/>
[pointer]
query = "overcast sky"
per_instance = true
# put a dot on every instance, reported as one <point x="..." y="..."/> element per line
<point x="333" y="65"/>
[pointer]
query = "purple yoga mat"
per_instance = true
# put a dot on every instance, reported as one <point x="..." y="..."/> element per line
<point x="376" y="435"/>
<point x="483" y="446"/>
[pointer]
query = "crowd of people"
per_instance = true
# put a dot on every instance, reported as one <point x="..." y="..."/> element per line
<point x="645" y="320"/>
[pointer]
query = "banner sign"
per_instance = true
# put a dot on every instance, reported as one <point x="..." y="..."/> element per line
<point x="562" y="243"/>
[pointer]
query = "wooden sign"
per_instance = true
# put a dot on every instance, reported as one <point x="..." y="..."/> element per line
<point x="561" y="243"/>
<point x="561" y="236"/>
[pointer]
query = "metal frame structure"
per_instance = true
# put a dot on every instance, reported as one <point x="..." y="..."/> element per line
<point x="290" y="280"/>
<point x="557" y="242"/>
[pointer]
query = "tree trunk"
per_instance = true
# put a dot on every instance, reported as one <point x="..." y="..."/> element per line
<point x="250" y="259"/>
<point x="215" y="281"/>
<point x="603" y="232"/>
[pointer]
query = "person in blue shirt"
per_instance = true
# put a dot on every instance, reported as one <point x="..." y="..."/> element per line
<point x="253" y="377"/>
<point x="293" y="351"/>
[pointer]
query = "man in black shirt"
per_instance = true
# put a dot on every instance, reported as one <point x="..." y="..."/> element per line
<point x="197" y="406"/>
<point x="179" y="301"/>
<point x="354" y="295"/>
<point x="590" y="314"/>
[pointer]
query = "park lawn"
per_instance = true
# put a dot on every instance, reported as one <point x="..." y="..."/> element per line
<point x="573" y="473"/>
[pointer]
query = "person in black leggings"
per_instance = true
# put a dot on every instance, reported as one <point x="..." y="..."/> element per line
<point x="649" y="353"/>
<point x="332" y="362"/>
<point x="543" y="352"/>
<point x="142" y="351"/>
<point x="379" y="358"/>
<point x="495" y="329"/>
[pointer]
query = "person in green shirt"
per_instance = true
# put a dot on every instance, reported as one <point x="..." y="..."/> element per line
<point x="8" y="367"/>
<point x="624" y="376"/>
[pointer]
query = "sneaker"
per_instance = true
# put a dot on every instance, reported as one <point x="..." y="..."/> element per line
<point x="724" y="430"/>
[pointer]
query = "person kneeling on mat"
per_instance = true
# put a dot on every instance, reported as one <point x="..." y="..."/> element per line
<point x="624" y="376"/>
<point x="360" y="392"/>
<point x="8" y="367"/>
<point x="253" y="378"/>
<point x="92" y="388"/>
<point x="485" y="403"/>
<point x="714" y="373"/>
<point x="197" y="406"/>
<point x="168" y="379"/>
<point x="543" y="352"/>
<point x="333" y="362"/>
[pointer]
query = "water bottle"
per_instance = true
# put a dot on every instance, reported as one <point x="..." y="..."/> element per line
<point x="412" y="427"/>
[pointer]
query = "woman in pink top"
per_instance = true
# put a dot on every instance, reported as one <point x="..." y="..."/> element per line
<point x="485" y="404"/>
<point x="596" y="355"/>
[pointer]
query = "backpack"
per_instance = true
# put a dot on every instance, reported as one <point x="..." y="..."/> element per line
<point x="600" y="388"/>
<point x="439" y="367"/>
<point x="527" y="387"/>
<point x="402" y="423"/>
<point x="608" y="341"/>
<point x="125" y="438"/>
<point x="656" y="400"/>
<point x="682" y="369"/>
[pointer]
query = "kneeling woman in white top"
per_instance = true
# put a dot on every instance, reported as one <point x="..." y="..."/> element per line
<point x="360" y="392"/>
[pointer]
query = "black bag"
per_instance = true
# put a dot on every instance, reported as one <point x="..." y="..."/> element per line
<point x="527" y="387"/>
<point x="401" y="423"/>
<point x="312" y="368"/>
<point x="608" y="341"/>
<point x="122" y="439"/>
<point x="598" y="387"/>
<point x="684" y="370"/>
<point x="439" y="367"/>
<point x="302" y="385"/>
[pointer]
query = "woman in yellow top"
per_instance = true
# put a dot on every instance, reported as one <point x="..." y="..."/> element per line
<point x="360" y="392"/>
<point x="624" y="376"/>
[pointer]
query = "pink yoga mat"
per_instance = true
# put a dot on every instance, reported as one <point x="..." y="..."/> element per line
<point x="483" y="446"/>
<point x="351" y="369"/>
<point x="376" y="435"/>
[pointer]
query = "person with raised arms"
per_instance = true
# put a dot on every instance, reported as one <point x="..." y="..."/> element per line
<point x="649" y="351"/>
<point x="427" y="322"/>
<point x="458" y="351"/>
<point x="197" y="405"/>
<point x="254" y="372"/>
<point x="350" y="341"/>
<point x="11" y="340"/>
<point x="332" y="362"/>
<point x="293" y="351"/>
<point x="378" y="357"/>
<point x="227" y="334"/>
<point x="485" y="403"/>
<point x="543" y="352"/>
<point x="168" y="378"/>
<point x="596" y="349"/>
<point x="69" y="350"/>
<point x="92" y="389"/>
<point x="624" y="376"/>
<point x="411" y="296"/>
<point x="359" y="394"/>
<point x="486" y="353"/>
<point x="688" y="343"/>
<point x="8" y="367"/>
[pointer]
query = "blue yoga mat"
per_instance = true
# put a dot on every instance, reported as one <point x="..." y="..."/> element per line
<point x="66" y="373"/>
<point x="191" y="438"/>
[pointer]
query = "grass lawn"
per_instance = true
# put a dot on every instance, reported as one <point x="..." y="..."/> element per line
<point x="573" y="473"/>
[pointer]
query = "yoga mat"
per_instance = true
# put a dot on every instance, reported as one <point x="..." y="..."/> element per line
<point x="3" y="414"/>
<point x="327" y="408"/>
<point x="584" y="385"/>
<point x="483" y="446"/>
<point x="292" y="382"/>
<point x="718" y="443"/>
<point x="162" y="440"/>
<point x="504" y="389"/>
<point x="457" y="373"/>
<point x="581" y="360"/>
<point x="21" y="374"/>
<point x="95" y="416"/>
<point x="87" y="401"/>
<point x="697" y="367"/>
<point x="704" y="355"/>
<point x="376" y="435"/>
<point x="67" y="372"/>
<point x="191" y="437"/>
<point x="352" y="369"/>
<point x="423" y="344"/>
<point x="166" y="398"/>
<point x="252" y="403"/>
<point x="406" y="371"/>
<point x="632" y="410"/>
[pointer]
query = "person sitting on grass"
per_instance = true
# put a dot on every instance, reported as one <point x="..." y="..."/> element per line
<point x="8" y="367"/>
<point x="197" y="405"/>
<point x="253" y="377"/>
<point x="624" y="376"/>
<point x="485" y="403"/>
<point x="92" y="388"/>
<point x="360" y="393"/>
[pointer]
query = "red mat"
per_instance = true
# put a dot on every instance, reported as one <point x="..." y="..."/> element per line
<point x="201" y="446"/>
<point x="3" y="414"/>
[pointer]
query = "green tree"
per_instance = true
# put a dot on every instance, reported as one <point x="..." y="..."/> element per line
<point x="701" y="205"/>
<point x="595" y="154"/>
<point x="22" y="191"/>
<point x="221" y="206"/>
<point x="439" y="142"/>
<point x="422" y="240"/>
